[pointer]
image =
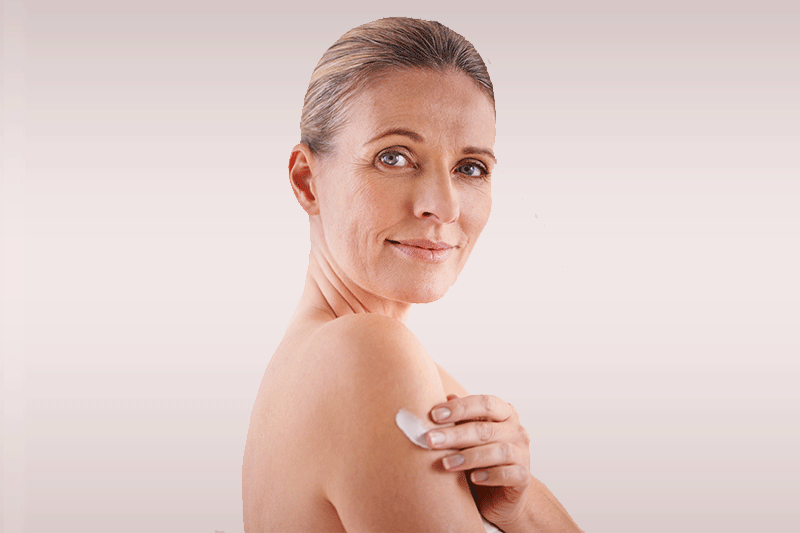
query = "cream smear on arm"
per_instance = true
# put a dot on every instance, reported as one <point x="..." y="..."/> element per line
<point x="414" y="428"/>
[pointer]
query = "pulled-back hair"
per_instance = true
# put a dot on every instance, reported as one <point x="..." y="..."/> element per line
<point x="364" y="53"/>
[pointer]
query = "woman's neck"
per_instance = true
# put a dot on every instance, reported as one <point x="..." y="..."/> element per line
<point x="334" y="295"/>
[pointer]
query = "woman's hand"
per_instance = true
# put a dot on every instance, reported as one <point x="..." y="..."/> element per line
<point x="493" y="450"/>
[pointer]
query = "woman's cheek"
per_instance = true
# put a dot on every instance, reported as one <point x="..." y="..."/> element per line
<point x="476" y="210"/>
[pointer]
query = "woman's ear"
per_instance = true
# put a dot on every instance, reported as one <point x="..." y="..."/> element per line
<point x="301" y="176"/>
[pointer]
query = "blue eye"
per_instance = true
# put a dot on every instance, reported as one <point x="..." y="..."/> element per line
<point x="393" y="159"/>
<point x="472" y="169"/>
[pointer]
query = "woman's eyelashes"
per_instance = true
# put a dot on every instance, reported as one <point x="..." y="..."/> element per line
<point x="393" y="158"/>
<point x="473" y="169"/>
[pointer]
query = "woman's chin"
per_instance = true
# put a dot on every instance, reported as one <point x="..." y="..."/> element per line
<point x="427" y="298"/>
<point x="420" y="293"/>
<point x="410" y="287"/>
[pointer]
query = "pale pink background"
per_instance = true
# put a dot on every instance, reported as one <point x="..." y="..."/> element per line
<point x="635" y="294"/>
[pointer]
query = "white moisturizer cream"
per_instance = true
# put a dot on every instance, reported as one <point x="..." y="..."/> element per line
<point x="413" y="427"/>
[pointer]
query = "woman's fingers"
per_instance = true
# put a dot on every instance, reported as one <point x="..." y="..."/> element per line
<point x="493" y="446"/>
<point x="472" y="434"/>
<point x="502" y="476"/>
<point x="478" y="407"/>
<point x="498" y="464"/>
<point x="489" y="455"/>
<point x="495" y="421"/>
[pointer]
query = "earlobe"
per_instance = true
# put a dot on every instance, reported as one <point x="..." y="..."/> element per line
<point x="301" y="178"/>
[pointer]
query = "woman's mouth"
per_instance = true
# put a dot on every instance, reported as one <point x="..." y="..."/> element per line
<point x="424" y="250"/>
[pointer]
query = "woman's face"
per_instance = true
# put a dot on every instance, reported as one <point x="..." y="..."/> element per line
<point x="407" y="192"/>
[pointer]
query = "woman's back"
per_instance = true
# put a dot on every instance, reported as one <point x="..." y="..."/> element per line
<point x="280" y="480"/>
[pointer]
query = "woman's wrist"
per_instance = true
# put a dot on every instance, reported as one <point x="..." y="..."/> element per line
<point x="541" y="513"/>
<point x="525" y="519"/>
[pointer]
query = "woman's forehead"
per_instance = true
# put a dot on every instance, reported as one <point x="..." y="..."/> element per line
<point x="427" y="106"/>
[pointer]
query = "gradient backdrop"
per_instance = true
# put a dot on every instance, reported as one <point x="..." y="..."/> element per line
<point x="635" y="294"/>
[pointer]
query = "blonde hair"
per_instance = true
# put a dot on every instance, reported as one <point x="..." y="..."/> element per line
<point x="368" y="51"/>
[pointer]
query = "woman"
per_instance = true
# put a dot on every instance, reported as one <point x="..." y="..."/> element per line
<point x="394" y="171"/>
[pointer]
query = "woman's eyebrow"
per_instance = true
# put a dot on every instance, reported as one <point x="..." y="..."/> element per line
<point x="397" y="131"/>
<point x="475" y="150"/>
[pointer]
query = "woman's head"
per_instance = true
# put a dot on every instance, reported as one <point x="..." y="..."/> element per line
<point x="366" y="53"/>
<point x="399" y="200"/>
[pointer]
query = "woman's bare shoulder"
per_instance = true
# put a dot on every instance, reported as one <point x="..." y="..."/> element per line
<point x="369" y="352"/>
<point x="363" y="330"/>
<point x="376" y="478"/>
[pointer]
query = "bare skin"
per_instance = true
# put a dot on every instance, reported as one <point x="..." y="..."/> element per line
<point x="394" y="214"/>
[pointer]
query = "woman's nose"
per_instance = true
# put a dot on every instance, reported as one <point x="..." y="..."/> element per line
<point x="436" y="197"/>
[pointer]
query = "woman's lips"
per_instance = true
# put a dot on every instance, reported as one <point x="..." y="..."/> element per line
<point x="424" y="250"/>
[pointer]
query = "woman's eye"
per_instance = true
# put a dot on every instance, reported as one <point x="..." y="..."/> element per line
<point x="472" y="169"/>
<point x="393" y="159"/>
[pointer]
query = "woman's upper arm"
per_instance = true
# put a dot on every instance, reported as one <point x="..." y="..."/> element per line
<point x="376" y="478"/>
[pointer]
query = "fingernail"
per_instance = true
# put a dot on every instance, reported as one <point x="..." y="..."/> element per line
<point x="441" y="413"/>
<point x="453" y="461"/>
<point x="436" y="437"/>
<point x="479" y="476"/>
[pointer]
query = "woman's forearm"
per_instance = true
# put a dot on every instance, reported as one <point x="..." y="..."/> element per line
<point x="544" y="514"/>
